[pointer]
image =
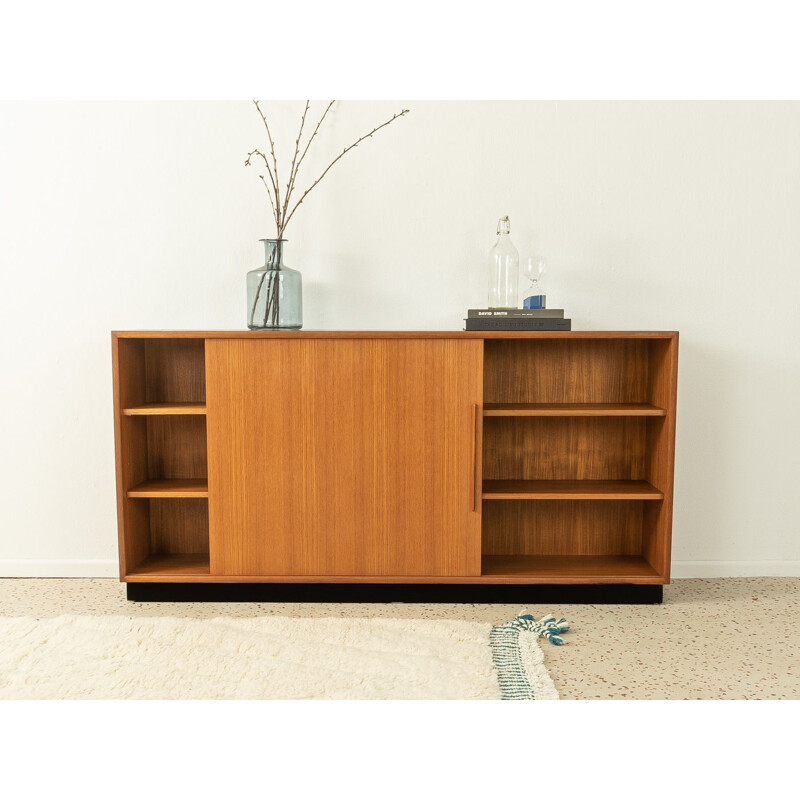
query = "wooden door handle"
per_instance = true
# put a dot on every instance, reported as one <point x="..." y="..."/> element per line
<point x="474" y="491"/>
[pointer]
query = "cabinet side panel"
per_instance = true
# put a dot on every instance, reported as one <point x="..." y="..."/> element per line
<point x="343" y="457"/>
<point x="131" y="451"/>
<point x="660" y="462"/>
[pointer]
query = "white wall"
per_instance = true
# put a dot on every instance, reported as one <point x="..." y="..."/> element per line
<point x="652" y="215"/>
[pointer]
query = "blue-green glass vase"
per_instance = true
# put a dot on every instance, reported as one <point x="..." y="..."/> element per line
<point x="274" y="292"/>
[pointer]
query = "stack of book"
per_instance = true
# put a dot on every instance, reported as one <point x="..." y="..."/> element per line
<point x="517" y="319"/>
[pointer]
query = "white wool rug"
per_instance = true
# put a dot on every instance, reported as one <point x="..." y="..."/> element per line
<point x="273" y="658"/>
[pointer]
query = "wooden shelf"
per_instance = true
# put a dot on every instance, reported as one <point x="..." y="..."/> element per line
<point x="570" y="490"/>
<point x="569" y="569"/>
<point x="572" y="410"/>
<point x="194" y="567"/>
<point x="168" y="567"/>
<point x="171" y="488"/>
<point x="165" y="409"/>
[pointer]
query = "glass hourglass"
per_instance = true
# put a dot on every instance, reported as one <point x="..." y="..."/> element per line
<point x="534" y="295"/>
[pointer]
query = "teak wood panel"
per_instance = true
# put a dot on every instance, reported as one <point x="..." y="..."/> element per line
<point x="161" y="409"/>
<point x="174" y="370"/>
<point x="564" y="448"/>
<point x="566" y="371"/>
<point x="131" y="452"/>
<point x="343" y="457"/>
<point x="570" y="490"/>
<point x="170" y="488"/>
<point x="309" y="334"/>
<point x="572" y="410"/>
<point x="178" y="526"/>
<point x="176" y="447"/>
<point x="194" y="568"/>
<point x="569" y="569"/>
<point x="562" y="527"/>
<point x="663" y="389"/>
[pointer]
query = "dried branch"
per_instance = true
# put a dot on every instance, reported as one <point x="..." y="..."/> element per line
<point x="271" y="202"/>
<point x="281" y="224"/>
<point x="292" y="172"/>
<point x="308" y="144"/>
<point x="341" y="155"/>
<point x="248" y="163"/>
<point x="280" y="211"/>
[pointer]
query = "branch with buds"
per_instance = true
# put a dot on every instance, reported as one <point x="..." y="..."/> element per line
<point x="282" y="212"/>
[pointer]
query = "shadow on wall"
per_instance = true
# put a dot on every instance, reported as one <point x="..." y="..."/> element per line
<point x="733" y="467"/>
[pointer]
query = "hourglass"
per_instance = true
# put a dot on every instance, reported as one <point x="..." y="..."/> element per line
<point x="534" y="294"/>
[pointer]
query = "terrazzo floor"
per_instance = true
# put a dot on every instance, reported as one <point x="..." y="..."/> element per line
<point x="728" y="638"/>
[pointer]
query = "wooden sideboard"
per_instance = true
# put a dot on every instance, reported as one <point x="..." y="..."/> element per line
<point x="395" y="457"/>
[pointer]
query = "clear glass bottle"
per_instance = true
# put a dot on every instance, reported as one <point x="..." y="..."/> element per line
<point x="503" y="269"/>
<point x="274" y="292"/>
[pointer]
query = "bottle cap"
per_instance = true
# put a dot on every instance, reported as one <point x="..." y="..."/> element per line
<point x="503" y="225"/>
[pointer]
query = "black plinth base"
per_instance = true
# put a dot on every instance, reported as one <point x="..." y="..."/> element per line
<point x="392" y="593"/>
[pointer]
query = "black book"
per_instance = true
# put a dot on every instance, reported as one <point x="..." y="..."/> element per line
<point x="517" y="324"/>
<point x="536" y="313"/>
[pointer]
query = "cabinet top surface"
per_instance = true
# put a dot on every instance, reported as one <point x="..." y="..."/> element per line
<point x="308" y="334"/>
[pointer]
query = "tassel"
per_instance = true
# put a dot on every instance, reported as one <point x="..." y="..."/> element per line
<point x="548" y="626"/>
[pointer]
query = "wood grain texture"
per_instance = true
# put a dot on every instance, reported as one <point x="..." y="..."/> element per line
<point x="460" y="334"/>
<point x="564" y="448"/>
<point x="178" y="525"/>
<point x="175" y="370"/>
<point x="562" y="527"/>
<point x="170" y="488"/>
<point x="130" y="444"/>
<point x="176" y="447"/>
<point x="579" y="569"/>
<point x="331" y="457"/>
<point x="663" y="389"/>
<point x="572" y="410"/>
<point x="557" y="404"/>
<point x="160" y="409"/>
<point x="570" y="490"/>
<point x="149" y="446"/>
<point x="172" y="567"/>
<point x="193" y="568"/>
<point x="566" y="370"/>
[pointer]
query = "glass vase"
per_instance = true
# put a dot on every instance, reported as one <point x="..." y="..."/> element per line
<point x="274" y="292"/>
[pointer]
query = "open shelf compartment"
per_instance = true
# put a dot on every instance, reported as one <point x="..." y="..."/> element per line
<point x="576" y="484"/>
<point x="588" y="540"/>
<point x="570" y="569"/>
<point x="163" y="472"/>
<point x="171" y="567"/>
